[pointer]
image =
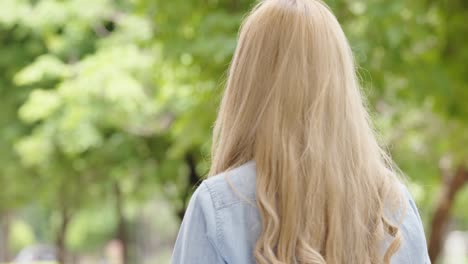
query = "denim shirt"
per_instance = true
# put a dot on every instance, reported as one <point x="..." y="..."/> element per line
<point x="222" y="226"/>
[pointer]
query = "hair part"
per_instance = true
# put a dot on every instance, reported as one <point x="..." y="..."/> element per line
<point x="293" y="104"/>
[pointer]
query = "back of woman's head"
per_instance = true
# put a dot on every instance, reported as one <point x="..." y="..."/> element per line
<point x="293" y="104"/>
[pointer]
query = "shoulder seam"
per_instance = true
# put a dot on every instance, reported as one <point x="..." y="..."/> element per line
<point x="224" y="206"/>
<point x="219" y="233"/>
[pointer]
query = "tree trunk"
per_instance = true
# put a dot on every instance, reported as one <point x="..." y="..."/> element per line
<point x="121" y="234"/>
<point x="442" y="213"/>
<point x="61" y="236"/>
<point x="5" y="237"/>
<point x="193" y="179"/>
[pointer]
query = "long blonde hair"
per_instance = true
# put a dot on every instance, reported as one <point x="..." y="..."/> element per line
<point x="293" y="104"/>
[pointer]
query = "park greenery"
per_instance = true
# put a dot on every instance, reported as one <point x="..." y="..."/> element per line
<point x="107" y="107"/>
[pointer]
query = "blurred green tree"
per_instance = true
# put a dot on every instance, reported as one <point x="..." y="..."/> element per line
<point x="104" y="100"/>
<point x="89" y="111"/>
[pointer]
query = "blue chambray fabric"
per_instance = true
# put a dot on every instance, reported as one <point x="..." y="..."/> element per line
<point x="222" y="223"/>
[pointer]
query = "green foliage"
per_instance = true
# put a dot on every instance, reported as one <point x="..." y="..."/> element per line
<point x="21" y="235"/>
<point x="101" y="93"/>
<point x="87" y="234"/>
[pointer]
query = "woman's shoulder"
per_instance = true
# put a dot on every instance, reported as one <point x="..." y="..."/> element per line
<point x="413" y="246"/>
<point x="232" y="186"/>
